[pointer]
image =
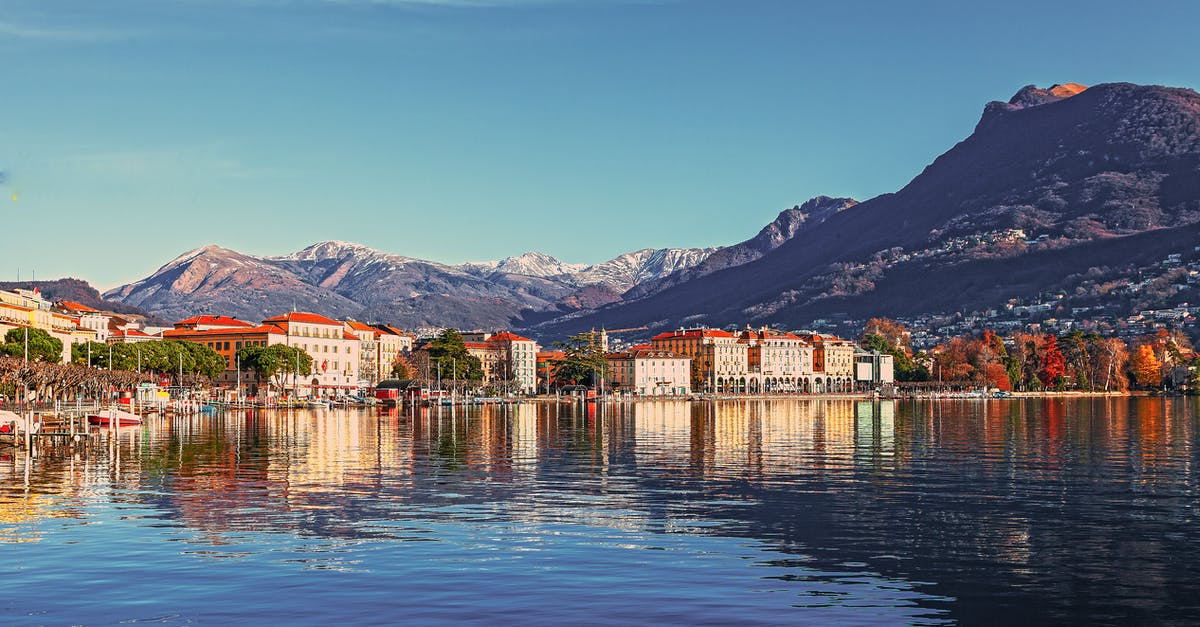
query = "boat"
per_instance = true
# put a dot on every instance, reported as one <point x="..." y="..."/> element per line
<point x="8" y="422"/>
<point x="106" y="417"/>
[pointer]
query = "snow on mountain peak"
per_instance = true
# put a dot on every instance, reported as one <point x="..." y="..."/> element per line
<point x="332" y="249"/>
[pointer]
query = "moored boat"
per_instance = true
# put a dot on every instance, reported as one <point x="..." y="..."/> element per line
<point x="106" y="418"/>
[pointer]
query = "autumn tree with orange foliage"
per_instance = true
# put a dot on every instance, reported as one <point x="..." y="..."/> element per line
<point x="1147" y="369"/>
<point x="1035" y="362"/>
<point x="978" y="361"/>
<point x="895" y="334"/>
<point x="892" y="338"/>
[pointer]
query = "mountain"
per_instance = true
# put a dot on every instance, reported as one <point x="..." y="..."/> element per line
<point x="533" y="264"/>
<point x="212" y="279"/>
<point x="783" y="228"/>
<point x="348" y="279"/>
<point x="1062" y="188"/>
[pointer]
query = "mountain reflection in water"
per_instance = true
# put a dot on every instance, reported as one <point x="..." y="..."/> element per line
<point x="749" y="512"/>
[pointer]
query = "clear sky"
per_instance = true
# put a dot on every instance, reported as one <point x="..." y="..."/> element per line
<point x="455" y="130"/>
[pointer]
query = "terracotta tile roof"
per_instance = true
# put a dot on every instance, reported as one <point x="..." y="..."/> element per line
<point x="768" y="335"/>
<point x="259" y="330"/>
<point x="74" y="306"/>
<point x="505" y="336"/>
<point x="692" y="333"/>
<point x="131" y="333"/>
<point x="303" y="316"/>
<point x="551" y="355"/>
<point x="349" y="336"/>
<point x="645" y="354"/>
<point x="484" y="346"/>
<point x="225" y="321"/>
<point x="358" y="326"/>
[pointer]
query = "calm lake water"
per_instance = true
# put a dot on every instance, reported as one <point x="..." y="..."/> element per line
<point x="758" y="512"/>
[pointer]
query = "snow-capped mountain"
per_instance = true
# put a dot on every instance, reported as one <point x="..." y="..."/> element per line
<point x="529" y="264"/>
<point x="348" y="279"/>
<point x="648" y="264"/>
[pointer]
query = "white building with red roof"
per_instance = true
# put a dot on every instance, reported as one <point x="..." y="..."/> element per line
<point x="334" y="350"/>
<point x="508" y="359"/>
<point x="644" y="371"/>
<point x="778" y="361"/>
<point x="723" y="361"/>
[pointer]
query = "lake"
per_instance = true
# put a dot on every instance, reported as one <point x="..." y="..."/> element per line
<point x="747" y="512"/>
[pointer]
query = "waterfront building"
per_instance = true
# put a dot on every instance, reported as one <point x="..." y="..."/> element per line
<point x="393" y="344"/>
<point x="777" y="361"/>
<point x="335" y="352"/>
<point x="27" y="309"/>
<point x="873" y="369"/>
<point x="87" y="318"/>
<point x="833" y="363"/>
<point x="645" y="371"/>
<point x="205" y="323"/>
<point x="130" y="335"/>
<point x="508" y="359"/>
<point x="546" y="364"/>
<point x="227" y="340"/>
<point x="724" y="362"/>
<point x="371" y="366"/>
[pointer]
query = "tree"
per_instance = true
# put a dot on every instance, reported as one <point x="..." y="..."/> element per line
<point x="584" y="361"/>
<point x="1053" y="364"/>
<point x="1112" y="357"/>
<point x="892" y="338"/>
<point x="161" y="356"/>
<point x="273" y="363"/>
<point x="698" y="380"/>
<point x="42" y="346"/>
<point x="1147" y="369"/>
<point x="893" y="333"/>
<point x="450" y="352"/>
<point x="401" y="368"/>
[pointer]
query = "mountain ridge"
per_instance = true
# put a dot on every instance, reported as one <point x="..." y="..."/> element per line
<point x="1043" y="175"/>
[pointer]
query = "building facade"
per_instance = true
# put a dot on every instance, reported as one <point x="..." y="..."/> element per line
<point x="779" y="362"/>
<point x="335" y="352"/>
<point x="723" y="361"/>
<point x="649" y="372"/>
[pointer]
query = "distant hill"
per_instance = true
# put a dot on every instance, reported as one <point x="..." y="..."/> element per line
<point x="1067" y="188"/>
<point x="79" y="291"/>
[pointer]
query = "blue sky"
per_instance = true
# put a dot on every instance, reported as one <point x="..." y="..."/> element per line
<point x="455" y="130"/>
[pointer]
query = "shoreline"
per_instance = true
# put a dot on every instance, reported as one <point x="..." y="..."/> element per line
<point x="821" y="397"/>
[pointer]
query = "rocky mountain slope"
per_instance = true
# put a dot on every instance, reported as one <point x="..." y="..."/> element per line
<point x="783" y="228"/>
<point x="1052" y="186"/>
